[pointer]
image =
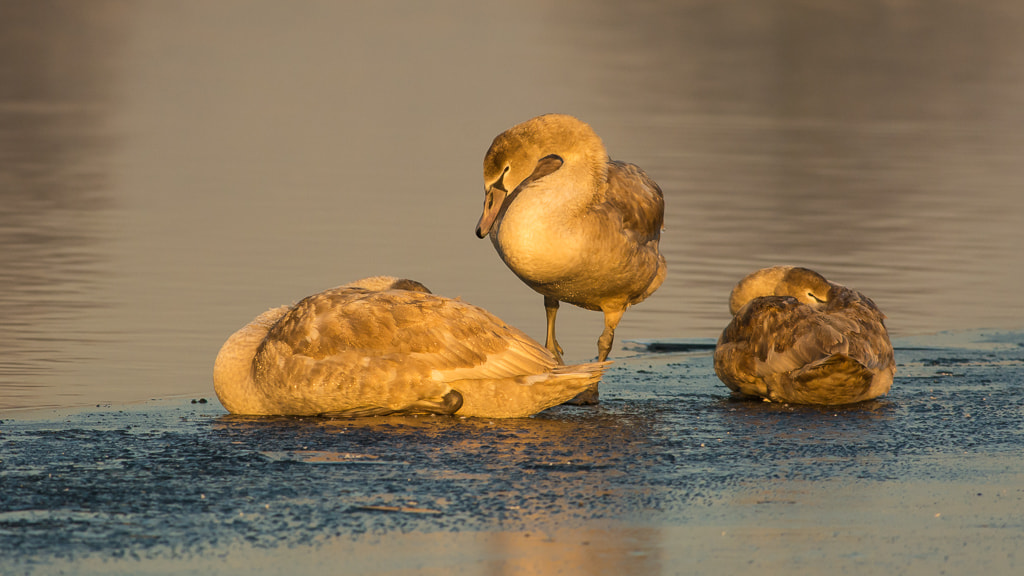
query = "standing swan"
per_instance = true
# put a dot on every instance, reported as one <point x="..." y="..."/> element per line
<point x="383" y="346"/>
<point x="796" y="337"/>
<point x="571" y="223"/>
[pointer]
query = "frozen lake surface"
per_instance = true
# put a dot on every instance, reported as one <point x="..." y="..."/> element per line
<point x="667" y="475"/>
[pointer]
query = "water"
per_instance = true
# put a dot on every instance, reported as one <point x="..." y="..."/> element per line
<point x="168" y="171"/>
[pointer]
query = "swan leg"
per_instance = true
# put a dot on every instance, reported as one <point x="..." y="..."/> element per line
<point x="445" y="405"/>
<point x="591" y="395"/>
<point x="604" y="343"/>
<point x="551" y="309"/>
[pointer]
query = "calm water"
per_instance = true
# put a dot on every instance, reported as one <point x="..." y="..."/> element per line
<point x="169" y="170"/>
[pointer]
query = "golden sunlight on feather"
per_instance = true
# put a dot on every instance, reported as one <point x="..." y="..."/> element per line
<point x="572" y="224"/>
<point x="796" y="337"/>
<point x="384" y="345"/>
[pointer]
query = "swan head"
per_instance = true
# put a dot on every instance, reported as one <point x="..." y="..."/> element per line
<point x="804" y="284"/>
<point x="531" y="150"/>
<point x="383" y="283"/>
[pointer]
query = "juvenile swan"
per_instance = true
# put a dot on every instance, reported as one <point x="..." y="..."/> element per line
<point x="796" y="337"/>
<point x="571" y="223"/>
<point x="383" y="346"/>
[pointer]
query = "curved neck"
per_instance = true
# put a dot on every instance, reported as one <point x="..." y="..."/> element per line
<point x="585" y="162"/>
<point x="233" y="370"/>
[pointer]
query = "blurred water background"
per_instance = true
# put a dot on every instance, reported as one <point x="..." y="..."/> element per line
<point x="170" y="170"/>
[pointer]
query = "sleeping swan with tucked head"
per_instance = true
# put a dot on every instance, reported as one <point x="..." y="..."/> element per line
<point x="796" y="337"/>
<point x="384" y="345"/>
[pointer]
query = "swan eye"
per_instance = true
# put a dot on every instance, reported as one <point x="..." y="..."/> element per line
<point x="500" y="182"/>
<point x="815" y="298"/>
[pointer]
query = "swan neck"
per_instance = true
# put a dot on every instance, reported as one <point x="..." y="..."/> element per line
<point x="233" y="379"/>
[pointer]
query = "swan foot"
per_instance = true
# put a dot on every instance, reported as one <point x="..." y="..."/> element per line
<point x="556" y="350"/>
<point x="450" y="402"/>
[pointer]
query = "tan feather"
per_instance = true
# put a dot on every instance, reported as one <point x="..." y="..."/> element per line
<point x="572" y="224"/>
<point x="795" y="337"/>
<point x="358" y="351"/>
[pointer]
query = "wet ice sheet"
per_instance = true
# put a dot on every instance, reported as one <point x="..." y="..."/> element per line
<point x="667" y="472"/>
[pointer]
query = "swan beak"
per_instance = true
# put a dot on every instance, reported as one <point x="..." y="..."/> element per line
<point x="492" y="206"/>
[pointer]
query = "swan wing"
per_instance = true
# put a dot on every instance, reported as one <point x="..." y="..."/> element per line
<point x="636" y="199"/>
<point x="432" y="336"/>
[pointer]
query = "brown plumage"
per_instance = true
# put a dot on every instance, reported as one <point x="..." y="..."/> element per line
<point x="796" y="337"/>
<point x="384" y="346"/>
<point x="572" y="224"/>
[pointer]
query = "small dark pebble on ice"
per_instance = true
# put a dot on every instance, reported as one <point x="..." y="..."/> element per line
<point x="200" y="401"/>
